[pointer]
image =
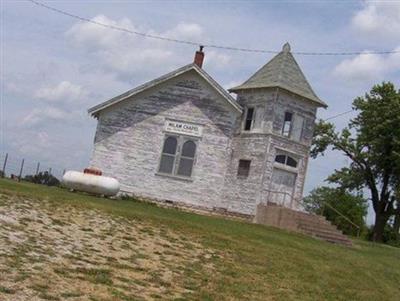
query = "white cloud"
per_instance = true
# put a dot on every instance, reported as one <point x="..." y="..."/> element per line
<point x="368" y="66"/>
<point x="93" y="36"/>
<point x="214" y="58"/>
<point x="381" y="19"/>
<point x="186" y="31"/>
<point x="130" y="55"/>
<point x="64" y="91"/>
<point x="39" y="115"/>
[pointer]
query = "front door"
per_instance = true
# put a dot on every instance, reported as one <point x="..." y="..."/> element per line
<point x="282" y="187"/>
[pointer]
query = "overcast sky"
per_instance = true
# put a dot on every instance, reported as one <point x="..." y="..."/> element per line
<point x="53" y="68"/>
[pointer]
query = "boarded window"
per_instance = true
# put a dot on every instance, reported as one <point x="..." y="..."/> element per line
<point x="244" y="168"/>
<point x="297" y="130"/>
<point x="248" y="124"/>
<point x="177" y="156"/>
<point x="287" y="160"/>
<point x="287" y="124"/>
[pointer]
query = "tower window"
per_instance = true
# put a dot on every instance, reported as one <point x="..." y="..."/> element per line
<point x="287" y="124"/>
<point x="248" y="124"/>
<point x="287" y="160"/>
<point x="244" y="168"/>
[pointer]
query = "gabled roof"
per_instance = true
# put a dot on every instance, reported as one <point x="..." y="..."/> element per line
<point x="282" y="71"/>
<point x="94" y="110"/>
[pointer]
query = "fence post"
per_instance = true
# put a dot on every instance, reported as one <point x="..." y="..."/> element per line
<point x="4" y="166"/>
<point x="37" y="168"/>
<point x="22" y="168"/>
<point x="64" y="171"/>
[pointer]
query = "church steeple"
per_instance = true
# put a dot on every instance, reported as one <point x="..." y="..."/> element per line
<point x="282" y="71"/>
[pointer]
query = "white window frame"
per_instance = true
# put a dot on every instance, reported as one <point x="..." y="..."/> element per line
<point x="181" y="139"/>
<point x="287" y="155"/>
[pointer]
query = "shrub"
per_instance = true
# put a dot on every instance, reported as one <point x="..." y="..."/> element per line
<point x="44" y="178"/>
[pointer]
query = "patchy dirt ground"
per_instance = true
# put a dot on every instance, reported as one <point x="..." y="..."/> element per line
<point x="53" y="253"/>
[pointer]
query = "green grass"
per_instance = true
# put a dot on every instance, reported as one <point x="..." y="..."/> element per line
<point x="254" y="262"/>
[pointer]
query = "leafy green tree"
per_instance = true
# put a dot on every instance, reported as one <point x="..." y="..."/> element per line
<point x="372" y="142"/>
<point x="354" y="207"/>
<point x="44" y="178"/>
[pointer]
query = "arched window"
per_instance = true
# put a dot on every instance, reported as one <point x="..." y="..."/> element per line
<point x="291" y="162"/>
<point x="177" y="156"/>
<point x="187" y="158"/>
<point x="287" y="160"/>
<point x="168" y="155"/>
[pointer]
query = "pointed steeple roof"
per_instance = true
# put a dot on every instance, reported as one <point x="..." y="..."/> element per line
<point x="282" y="71"/>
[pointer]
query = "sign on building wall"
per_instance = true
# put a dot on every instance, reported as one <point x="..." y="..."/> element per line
<point x="184" y="128"/>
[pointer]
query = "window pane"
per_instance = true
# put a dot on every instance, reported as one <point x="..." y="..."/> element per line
<point x="167" y="163"/>
<point x="250" y="113"/>
<point x="249" y="119"/>
<point x="280" y="159"/>
<point x="244" y="168"/>
<point x="288" y="116"/>
<point x="185" y="167"/>
<point x="247" y="125"/>
<point x="291" y="162"/>
<point x="170" y="146"/>
<point x="189" y="149"/>
<point x="287" y="124"/>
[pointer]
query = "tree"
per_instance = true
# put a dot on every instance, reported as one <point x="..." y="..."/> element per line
<point x="354" y="207"/>
<point x="372" y="142"/>
<point x="44" y="178"/>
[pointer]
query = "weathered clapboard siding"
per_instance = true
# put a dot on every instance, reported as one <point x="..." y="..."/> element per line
<point x="261" y="144"/>
<point x="130" y="136"/>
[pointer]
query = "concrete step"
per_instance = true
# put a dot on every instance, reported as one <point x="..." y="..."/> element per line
<point x="332" y="230"/>
<point x="306" y="215"/>
<point x="331" y="237"/>
<point x="316" y="223"/>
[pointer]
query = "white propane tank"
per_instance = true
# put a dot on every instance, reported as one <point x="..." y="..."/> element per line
<point x="90" y="183"/>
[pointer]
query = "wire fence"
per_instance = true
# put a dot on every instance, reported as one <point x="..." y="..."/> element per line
<point x="17" y="167"/>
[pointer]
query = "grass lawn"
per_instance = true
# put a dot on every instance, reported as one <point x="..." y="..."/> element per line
<point x="57" y="245"/>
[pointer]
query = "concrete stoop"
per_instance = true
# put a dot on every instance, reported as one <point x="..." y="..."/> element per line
<point x="314" y="225"/>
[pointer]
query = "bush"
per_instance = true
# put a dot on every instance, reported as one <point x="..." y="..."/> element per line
<point x="389" y="236"/>
<point x="354" y="207"/>
<point x="44" y="178"/>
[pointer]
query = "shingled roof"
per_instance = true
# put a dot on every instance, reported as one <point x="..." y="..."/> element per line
<point x="282" y="71"/>
<point x="96" y="109"/>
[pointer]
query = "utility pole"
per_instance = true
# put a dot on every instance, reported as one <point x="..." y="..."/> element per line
<point x="4" y="166"/>
<point x="37" y="168"/>
<point x="22" y="168"/>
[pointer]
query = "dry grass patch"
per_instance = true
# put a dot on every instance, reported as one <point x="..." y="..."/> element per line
<point x="53" y="253"/>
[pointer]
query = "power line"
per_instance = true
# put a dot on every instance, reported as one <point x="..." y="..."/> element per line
<point x="338" y="115"/>
<point x="151" y="36"/>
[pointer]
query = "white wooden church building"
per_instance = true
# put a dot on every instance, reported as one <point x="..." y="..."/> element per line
<point x="182" y="138"/>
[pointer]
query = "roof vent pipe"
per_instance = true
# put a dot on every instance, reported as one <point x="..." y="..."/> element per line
<point x="199" y="57"/>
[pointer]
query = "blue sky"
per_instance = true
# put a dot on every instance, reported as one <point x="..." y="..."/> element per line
<point x="54" y="67"/>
